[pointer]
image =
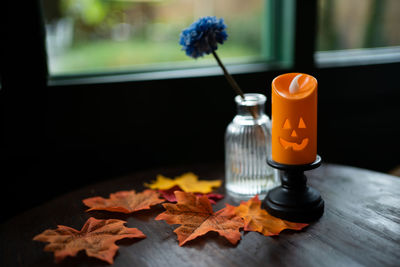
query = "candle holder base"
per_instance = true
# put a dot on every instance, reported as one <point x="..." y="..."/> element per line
<point x="294" y="200"/>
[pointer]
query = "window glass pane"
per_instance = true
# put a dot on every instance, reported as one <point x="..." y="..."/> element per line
<point x="345" y="24"/>
<point x="110" y="35"/>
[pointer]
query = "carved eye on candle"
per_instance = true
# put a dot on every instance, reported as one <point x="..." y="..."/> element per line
<point x="292" y="138"/>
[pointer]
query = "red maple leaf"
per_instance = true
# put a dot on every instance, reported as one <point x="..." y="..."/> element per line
<point x="170" y="196"/>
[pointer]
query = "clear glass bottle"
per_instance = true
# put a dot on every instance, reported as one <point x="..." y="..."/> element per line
<point x="247" y="146"/>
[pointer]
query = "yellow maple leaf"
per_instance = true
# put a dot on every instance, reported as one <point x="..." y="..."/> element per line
<point x="188" y="182"/>
<point x="162" y="183"/>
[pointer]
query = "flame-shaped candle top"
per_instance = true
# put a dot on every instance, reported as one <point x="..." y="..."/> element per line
<point x="295" y="85"/>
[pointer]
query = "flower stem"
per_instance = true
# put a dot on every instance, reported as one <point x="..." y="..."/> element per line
<point x="230" y="79"/>
<point x="234" y="84"/>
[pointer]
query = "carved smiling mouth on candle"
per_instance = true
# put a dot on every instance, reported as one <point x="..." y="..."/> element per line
<point x="295" y="146"/>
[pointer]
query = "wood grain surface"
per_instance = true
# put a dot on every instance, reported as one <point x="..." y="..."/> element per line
<point x="360" y="227"/>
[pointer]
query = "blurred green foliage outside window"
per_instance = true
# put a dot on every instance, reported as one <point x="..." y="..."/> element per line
<point x="85" y="36"/>
<point x="354" y="24"/>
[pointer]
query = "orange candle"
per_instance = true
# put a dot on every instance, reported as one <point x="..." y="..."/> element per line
<point x="294" y="119"/>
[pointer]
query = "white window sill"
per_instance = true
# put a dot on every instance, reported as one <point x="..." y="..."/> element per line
<point x="357" y="57"/>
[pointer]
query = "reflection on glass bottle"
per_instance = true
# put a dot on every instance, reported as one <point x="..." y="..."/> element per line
<point x="247" y="146"/>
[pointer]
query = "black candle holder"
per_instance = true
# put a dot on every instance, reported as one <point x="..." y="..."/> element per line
<point x="294" y="200"/>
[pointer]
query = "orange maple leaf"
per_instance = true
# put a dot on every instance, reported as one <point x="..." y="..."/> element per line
<point x="197" y="218"/>
<point x="97" y="238"/>
<point x="124" y="201"/>
<point x="258" y="220"/>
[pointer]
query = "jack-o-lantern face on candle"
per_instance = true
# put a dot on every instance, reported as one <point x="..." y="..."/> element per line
<point x="294" y="140"/>
<point x="294" y="119"/>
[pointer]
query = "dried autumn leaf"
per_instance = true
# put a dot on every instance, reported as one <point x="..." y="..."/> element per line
<point x="189" y="182"/>
<point x="213" y="197"/>
<point x="197" y="218"/>
<point x="124" y="201"/>
<point x="170" y="196"/>
<point x="258" y="220"/>
<point x="97" y="238"/>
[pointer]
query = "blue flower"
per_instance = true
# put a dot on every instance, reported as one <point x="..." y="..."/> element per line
<point x="203" y="36"/>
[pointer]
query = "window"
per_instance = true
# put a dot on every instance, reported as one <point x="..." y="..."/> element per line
<point x="88" y="36"/>
<point x="358" y="31"/>
<point x="358" y="24"/>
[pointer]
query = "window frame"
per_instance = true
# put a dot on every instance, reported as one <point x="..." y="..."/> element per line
<point x="357" y="57"/>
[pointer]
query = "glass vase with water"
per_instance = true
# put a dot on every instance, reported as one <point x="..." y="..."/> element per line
<point x="247" y="146"/>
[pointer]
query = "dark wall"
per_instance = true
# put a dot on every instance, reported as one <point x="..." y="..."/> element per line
<point x="175" y="121"/>
<point x="359" y="112"/>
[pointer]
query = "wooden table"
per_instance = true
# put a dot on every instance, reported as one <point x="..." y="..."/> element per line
<point x="360" y="226"/>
